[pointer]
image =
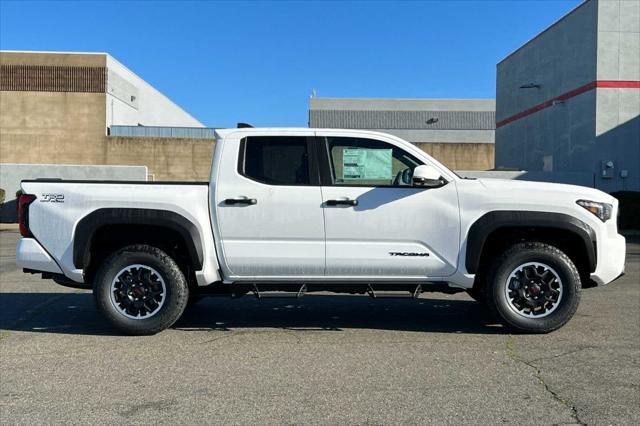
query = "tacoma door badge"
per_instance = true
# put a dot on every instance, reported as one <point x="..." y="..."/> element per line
<point x="52" y="198"/>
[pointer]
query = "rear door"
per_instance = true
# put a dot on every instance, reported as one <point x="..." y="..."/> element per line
<point x="379" y="227"/>
<point x="268" y="208"/>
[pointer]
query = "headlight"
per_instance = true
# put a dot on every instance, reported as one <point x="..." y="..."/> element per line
<point x="602" y="210"/>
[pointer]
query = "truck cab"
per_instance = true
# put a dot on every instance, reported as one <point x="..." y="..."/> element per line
<point x="330" y="205"/>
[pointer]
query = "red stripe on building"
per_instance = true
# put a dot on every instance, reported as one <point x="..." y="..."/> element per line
<point x="604" y="84"/>
<point x="618" y="84"/>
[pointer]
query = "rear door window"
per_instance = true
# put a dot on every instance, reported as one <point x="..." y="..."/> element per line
<point x="276" y="160"/>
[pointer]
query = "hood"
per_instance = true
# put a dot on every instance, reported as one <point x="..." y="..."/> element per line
<point x="520" y="186"/>
<point x="500" y="194"/>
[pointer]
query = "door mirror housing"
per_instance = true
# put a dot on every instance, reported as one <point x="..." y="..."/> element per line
<point x="428" y="177"/>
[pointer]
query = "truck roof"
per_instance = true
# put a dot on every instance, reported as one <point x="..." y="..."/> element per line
<point x="222" y="133"/>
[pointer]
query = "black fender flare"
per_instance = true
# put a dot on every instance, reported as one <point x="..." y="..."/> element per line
<point x="490" y="222"/>
<point x="88" y="225"/>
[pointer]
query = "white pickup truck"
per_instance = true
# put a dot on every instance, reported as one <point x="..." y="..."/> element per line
<point x="301" y="210"/>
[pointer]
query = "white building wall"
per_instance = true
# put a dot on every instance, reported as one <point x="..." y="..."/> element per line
<point x="133" y="101"/>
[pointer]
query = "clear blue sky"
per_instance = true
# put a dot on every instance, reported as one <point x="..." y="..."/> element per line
<point x="259" y="61"/>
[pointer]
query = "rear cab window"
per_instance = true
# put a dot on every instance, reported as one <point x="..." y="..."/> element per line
<point x="276" y="160"/>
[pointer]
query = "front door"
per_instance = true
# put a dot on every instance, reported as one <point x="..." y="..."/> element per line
<point x="379" y="227"/>
<point x="268" y="209"/>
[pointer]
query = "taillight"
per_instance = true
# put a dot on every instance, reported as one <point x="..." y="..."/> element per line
<point x="23" y="213"/>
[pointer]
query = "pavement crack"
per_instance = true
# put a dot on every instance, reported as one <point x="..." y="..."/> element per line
<point x="512" y="353"/>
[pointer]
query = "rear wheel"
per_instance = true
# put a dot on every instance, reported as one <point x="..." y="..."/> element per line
<point x="140" y="290"/>
<point x="534" y="287"/>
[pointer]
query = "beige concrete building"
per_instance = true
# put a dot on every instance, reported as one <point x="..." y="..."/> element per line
<point x="57" y="108"/>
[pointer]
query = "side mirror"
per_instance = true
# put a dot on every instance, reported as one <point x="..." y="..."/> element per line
<point x="427" y="176"/>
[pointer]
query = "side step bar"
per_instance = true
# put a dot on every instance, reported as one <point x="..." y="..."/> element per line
<point x="265" y="290"/>
<point x="280" y="294"/>
<point x="387" y="294"/>
<point x="371" y="291"/>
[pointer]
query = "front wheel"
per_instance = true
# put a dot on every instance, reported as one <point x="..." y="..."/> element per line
<point x="140" y="290"/>
<point x="534" y="287"/>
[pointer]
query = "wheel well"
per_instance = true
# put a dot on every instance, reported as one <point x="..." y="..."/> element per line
<point x="110" y="238"/>
<point x="567" y="241"/>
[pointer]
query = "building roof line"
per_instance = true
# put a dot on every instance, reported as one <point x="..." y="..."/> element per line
<point x="401" y="99"/>
<point x="562" y="18"/>
<point x="53" y="52"/>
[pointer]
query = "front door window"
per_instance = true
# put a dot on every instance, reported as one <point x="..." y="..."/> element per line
<point x="369" y="162"/>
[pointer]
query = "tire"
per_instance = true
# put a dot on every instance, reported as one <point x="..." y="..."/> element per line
<point x="140" y="290"/>
<point x="523" y="273"/>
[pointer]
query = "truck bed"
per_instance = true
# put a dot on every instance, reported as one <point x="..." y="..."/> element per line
<point x="61" y="204"/>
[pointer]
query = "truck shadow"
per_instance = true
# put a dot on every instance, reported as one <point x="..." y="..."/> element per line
<point x="75" y="313"/>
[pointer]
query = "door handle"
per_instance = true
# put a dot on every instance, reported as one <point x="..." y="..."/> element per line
<point x="246" y="201"/>
<point x="343" y="202"/>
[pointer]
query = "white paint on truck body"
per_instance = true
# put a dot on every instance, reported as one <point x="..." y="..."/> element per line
<point x="291" y="234"/>
<point x="54" y="224"/>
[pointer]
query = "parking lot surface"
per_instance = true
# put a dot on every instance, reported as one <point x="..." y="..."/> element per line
<point x="321" y="359"/>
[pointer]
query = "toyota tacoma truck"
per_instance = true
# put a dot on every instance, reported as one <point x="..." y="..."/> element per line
<point x="291" y="211"/>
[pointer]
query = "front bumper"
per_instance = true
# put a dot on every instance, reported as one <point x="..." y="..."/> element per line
<point x="611" y="259"/>
<point x="31" y="255"/>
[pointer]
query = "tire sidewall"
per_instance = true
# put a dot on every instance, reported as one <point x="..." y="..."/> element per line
<point x="176" y="294"/>
<point x="570" y="289"/>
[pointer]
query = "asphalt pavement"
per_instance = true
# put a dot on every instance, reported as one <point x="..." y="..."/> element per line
<point x="319" y="360"/>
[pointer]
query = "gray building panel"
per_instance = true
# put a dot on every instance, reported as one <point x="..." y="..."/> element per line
<point x="415" y="120"/>
<point x="163" y="132"/>
<point x="437" y="120"/>
<point x="401" y="104"/>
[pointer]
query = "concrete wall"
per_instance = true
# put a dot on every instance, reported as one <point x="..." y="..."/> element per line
<point x="166" y="158"/>
<point x="12" y="174"/>
<point x="558" y="138"/>
<point x="560" y="59"/>
<point x="463" y="156"/>
<point x="52" y="127"/>
<point x="61" y="59"/>
<point x="575" y="122"/>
